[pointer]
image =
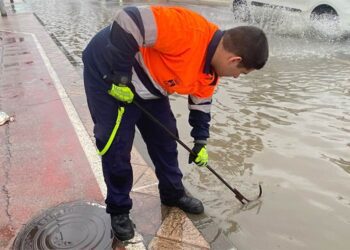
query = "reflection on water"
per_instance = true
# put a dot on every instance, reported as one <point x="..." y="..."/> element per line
<point x="286" y="126"/>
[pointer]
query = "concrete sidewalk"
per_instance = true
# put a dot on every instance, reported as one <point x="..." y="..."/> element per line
<point x="47" y="156"/>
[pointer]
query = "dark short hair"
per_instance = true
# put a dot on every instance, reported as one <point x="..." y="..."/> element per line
<point x="248" y="42"/>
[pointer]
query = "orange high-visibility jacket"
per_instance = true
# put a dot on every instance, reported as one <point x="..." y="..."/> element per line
<point x="176" y="59"/>
<point x="171" y="46"/>
<point x="165" y="50"/>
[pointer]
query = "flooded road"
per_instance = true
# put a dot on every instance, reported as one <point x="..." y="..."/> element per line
<point x="286" y="126"/>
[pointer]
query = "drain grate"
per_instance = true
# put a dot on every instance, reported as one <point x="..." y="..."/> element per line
<point x="75" y="225"/>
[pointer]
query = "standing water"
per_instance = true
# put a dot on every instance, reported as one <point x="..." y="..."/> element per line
<point x="286" y="126"/>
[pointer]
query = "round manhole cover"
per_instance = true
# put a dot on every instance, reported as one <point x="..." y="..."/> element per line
<point x="76" y="225"/>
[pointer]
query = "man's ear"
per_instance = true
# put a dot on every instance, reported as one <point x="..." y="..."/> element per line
<point x="235" y="59"/>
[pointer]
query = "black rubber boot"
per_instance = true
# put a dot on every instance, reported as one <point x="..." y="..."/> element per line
<point x="187" y="204"/>
<point x="122" y="226"/>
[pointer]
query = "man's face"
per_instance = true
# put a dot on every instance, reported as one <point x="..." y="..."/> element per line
<point x="230" y="66"/>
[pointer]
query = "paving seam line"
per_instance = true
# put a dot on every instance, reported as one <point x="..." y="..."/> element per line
<point x="145" y="186"/>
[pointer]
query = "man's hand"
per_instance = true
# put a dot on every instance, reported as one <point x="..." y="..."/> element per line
<point x="121" y="93"/>
<point x="201" y="158"/>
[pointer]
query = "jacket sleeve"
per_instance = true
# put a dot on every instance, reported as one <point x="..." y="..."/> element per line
<point x="199" y="117"/>
<point x="127" y="35"/>
<point x="199" y="105"/>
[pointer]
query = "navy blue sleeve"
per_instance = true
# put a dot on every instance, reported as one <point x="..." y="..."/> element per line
<point x="126" y="34"/>
<point x="199" y="117"/>
<point x="119" y="54"/>
<point x="200" y="125"/>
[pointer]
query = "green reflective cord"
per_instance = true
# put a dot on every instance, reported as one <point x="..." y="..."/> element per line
<point x="114" y="132"/>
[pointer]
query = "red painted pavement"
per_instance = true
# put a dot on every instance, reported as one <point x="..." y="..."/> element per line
<point x="42" y="163"/>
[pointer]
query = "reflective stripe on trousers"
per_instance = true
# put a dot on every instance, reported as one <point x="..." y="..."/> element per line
<point x="121" y="111"/>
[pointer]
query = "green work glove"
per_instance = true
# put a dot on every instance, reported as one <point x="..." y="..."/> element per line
<point x="121" y="93"/>
<point x="201" y="158"/>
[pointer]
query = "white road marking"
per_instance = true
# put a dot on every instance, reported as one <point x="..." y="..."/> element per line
<point x="84" y="138"/>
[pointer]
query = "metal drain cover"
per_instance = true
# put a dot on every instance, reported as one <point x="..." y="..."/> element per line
<point x="75" y="225"/>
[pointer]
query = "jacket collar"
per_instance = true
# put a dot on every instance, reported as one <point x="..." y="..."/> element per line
<point x="213" y="44"/>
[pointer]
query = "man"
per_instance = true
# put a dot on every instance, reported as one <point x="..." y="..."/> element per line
<point x="146" y="54"/>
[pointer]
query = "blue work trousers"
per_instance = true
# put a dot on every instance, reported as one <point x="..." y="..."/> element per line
<point x="161" y="147"/>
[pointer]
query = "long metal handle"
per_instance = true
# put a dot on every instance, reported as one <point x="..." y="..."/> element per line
<point x="238" y="194"/>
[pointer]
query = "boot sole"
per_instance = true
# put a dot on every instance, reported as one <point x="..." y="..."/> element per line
<point x="124" y="237"/>
<point x="195" y="211"/>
